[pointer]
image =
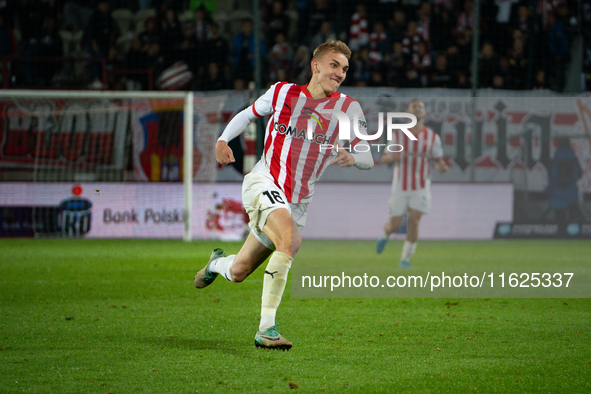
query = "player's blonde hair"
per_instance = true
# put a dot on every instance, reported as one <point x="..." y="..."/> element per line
<point x="332" y="46"/>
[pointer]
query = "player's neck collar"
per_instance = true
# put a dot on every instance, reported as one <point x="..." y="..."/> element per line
<point x="306" y="91"/>
<point x="308" y="94"/>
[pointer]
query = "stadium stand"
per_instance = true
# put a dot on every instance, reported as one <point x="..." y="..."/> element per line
<point x="524" y="44"/>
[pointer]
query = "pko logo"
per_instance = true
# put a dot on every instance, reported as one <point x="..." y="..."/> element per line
<point x="345" y="128"/>
<point x="74" y="216"/>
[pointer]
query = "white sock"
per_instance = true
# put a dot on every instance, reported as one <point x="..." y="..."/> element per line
<point x="385" y="235"/>
<point x="273" y="287"/>
<point x="408" y="249"/>
<point x="222" y="266"/>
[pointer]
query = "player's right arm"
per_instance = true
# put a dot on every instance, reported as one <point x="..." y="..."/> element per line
<point x="223" y="153"/>
<point x="263" y="106"/>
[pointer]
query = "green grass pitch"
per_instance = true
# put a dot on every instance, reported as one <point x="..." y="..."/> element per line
<point x="118" y="316"/>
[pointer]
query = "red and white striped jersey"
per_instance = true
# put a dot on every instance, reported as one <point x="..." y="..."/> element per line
<point x="292" y="160"/>
<point x="412" y="171"/>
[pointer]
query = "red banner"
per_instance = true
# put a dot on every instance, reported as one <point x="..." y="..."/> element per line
<point x="63" y="133"/>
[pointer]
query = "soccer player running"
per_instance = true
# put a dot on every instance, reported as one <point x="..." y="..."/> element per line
<point x="276" y="193"/>
<point x="411" y="185"/>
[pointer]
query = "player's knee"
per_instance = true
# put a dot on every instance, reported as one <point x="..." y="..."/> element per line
<point x="289" y="243"/>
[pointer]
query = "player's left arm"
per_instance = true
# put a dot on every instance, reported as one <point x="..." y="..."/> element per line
<point x="344" y="158"/>
<point x="437" y="154"/>
<point x="359" y="154"/>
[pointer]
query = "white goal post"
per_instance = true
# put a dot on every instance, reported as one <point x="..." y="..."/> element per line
<point x="188" y="130"/>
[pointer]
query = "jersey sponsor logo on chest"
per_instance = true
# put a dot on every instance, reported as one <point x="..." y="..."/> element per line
<point x="306" y="135"/>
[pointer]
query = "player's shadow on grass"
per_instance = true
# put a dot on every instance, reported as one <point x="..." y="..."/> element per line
<point x="190" y="344"/>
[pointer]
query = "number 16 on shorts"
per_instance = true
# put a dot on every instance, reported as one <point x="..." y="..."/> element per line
<point x="274" y="197"/>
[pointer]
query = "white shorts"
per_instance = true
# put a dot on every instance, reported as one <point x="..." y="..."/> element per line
<point x="260" y="197"/>
<point x="401" y="202"/>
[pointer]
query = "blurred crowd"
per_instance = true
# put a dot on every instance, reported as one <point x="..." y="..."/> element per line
<point x="190" y="44"/>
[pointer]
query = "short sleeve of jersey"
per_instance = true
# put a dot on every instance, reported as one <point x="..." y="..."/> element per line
<point x="264" y="104"/>
<point x="437" y="149"/>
